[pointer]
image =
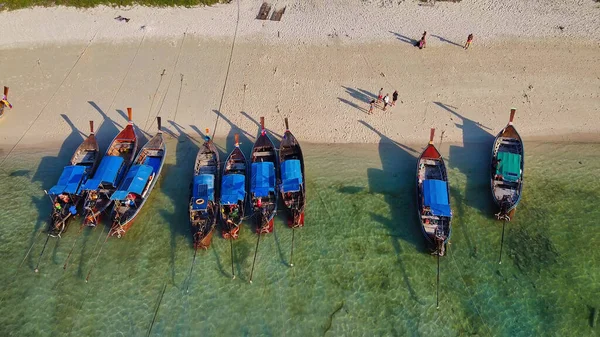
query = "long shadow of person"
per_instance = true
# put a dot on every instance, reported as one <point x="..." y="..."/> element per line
<point x="395" y="180"/>
<point x="176" y="186"/>
<point x="446" y="40"/>
<point x="472" y="159"/>
<point x="404" y="39"/>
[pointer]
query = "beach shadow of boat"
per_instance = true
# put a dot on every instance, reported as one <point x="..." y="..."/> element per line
<point x="176" y="181"/>
<point x="446" y="40"/>
<point x="267" y="123"/>
<point x="396" y="182"/>
<point x="472" y="159"/>
<point x="107" y="130"/>
<point x="404" y="39"/>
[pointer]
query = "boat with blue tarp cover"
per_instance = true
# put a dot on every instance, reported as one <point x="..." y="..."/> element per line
<point x="433" y="197"/>
<point x="67" y="194"/>
<point x="203" y="206"/>
<point x="262" y="182"/>
<point x="506" y="171"/>
<point x="134" y="190"/>
<point x="292" y="187"/>
<point x="233" y="192"/>
<point x="112" y="169"/>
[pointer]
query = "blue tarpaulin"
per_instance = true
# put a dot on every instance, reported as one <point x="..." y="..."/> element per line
<point x="134" y="182"/>
<point x="263" y="179"/>
<point x="233" y="189"/>
<point x="69" y="180"/>
<point x="203" y="191"/>
<point x="435" y="195"/>
<point x="291" y="175"/>
<point x="106" y="173"/>
<point x="153" y="162"/>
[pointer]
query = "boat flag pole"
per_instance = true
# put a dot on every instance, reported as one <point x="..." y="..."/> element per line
<point x="437" y="288"/>
<point x="42" y="253"/>
<point x="87" y="278"/>
<point x="47" y="238"/>
<point x="73" y="247"/>
<point x="502" y="241"/>
<point x="292" y="253"/>
<point x="29" y="251"/>
<point x="191" y="269"/>
<point x="255" y="252"/>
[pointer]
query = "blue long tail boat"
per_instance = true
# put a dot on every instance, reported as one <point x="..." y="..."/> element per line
<point x="292" y="188"/>
<point x="263" y="175"/>
<point x="112" y="169"/>
<point x="134" y="190"/>
<point x="204" y="208"/>
<point x="433" y="197"/>
<point x="233" y="192"/>
<point x="67" y="194"/>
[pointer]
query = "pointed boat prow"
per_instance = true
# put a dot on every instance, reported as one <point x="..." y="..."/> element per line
<point x="262" y="125"/>
<point x="431" y="135"/>
<point x="207" y="134"/>
<point x="512" y="116"/>
<point x="92" y="127"/>
<point x="237" y="140"/>
<point x="158" y="121"/>
<point x="287" y="127"/>
<point x="6" y="92"/>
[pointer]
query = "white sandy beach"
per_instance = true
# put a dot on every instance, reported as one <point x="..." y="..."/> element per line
<point x="319" y="66"/>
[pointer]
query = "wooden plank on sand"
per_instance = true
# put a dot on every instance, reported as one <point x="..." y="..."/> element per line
<point x="263" y="13"/>
<point x="276" y="16"/>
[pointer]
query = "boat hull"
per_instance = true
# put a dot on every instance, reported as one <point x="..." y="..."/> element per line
<point x="506" y="196"/>
<point x="436" y="229"/>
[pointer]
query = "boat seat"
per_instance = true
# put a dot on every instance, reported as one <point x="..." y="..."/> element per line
<point x="263" y="154"/>
<point x="430" y="162"/>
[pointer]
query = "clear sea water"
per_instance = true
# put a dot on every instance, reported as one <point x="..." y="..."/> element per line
<point x="361" y="265"/>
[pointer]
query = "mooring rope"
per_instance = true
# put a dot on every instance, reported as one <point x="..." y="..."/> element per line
<point x="170" y="80"/>
<point x="48" y="101"/>
<point x="237" y="22"/>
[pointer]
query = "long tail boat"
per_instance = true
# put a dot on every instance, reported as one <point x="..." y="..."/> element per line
<point x="204" y="209"/>
<point x="233" y="192"/>
<point x="67" y="194"/>
<point x="433" y="197"/>
<point x="292" y="188"/>
<point x="4" y="102"/>
<point x="111" y="171"/>
<point x="141" y="178"/>
<point x="262" y="189"/>
<point x="506" y="172"/>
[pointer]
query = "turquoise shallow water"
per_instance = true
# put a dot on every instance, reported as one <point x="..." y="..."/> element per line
<point x="361" y="264"/>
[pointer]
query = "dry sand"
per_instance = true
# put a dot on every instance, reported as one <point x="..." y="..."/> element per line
<point x="87" y="66"/>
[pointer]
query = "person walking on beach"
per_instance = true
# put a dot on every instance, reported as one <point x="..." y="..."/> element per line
<point x="371" y="107"/>
<point x="394" y="97"/>
<point x="380" y="95"/>
<point x="422" y="42"/>
<point x="469" y="40"/>
<point x="386" y="101"/>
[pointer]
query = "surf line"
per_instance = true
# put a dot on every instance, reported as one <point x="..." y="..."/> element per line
<point x="51" y="98"/>
<point x="170" y="80"/>
<point x="237" y="22"/>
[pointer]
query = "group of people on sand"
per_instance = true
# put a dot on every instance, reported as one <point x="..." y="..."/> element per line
<point x="385" y="99"/>
<point x="422" y="42"/>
